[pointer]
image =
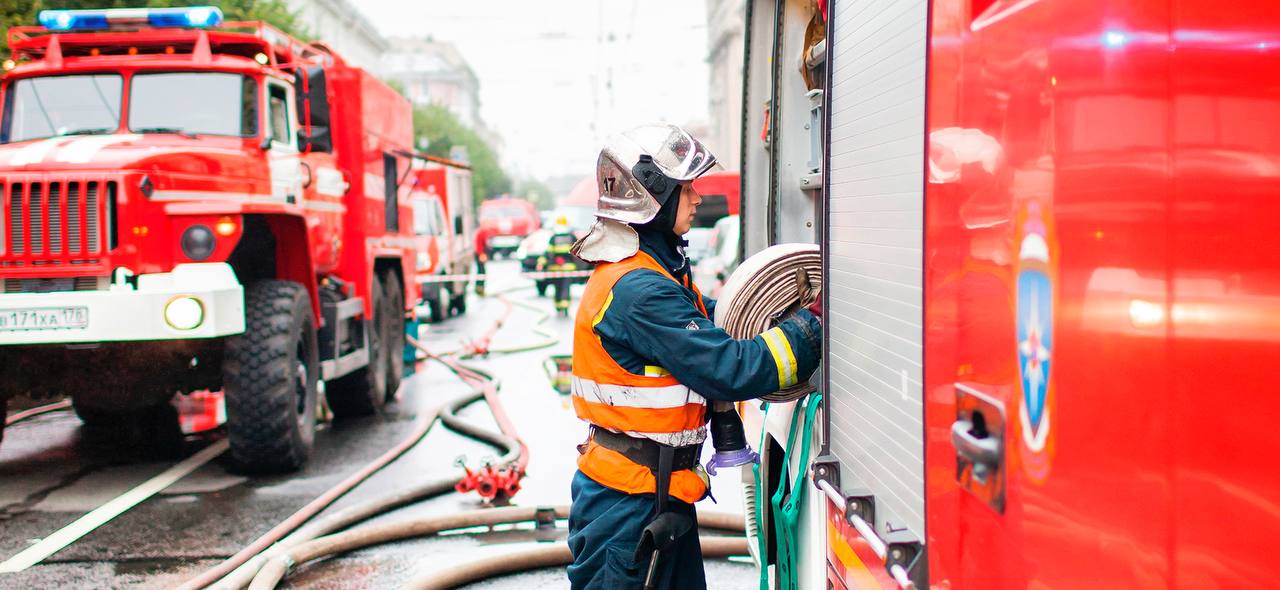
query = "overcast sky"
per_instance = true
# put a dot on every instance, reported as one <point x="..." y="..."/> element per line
<point x="557" y="76"/>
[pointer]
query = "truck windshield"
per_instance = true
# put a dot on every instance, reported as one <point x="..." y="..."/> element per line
<point x="62" y="105"/>
<point x="502" y="213"/>
<point x="193" y="103"/>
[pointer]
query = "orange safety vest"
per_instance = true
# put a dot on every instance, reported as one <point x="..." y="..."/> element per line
<point x="654" y="405"/>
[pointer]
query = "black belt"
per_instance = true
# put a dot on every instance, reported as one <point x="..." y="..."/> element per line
<point x="643" y="451"/>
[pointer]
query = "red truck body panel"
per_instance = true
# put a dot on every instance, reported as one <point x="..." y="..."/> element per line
<point x="721" y="185"/>
<point x="1124" y="249"/>
<point x="448" y="185"/>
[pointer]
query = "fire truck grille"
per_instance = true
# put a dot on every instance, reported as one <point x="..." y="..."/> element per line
<point x="58" y="221"/>
<point x="55" y="285"/>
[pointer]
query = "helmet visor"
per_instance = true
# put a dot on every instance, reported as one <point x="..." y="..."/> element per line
<point x="678" y="154"/>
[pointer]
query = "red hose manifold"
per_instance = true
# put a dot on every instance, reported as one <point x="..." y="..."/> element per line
<point x="468" y="480"/>
<point x="488" y="482"/>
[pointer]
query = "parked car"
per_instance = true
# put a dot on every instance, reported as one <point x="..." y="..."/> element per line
<point x="699" y="244"/>
<point x="711" y="272"/>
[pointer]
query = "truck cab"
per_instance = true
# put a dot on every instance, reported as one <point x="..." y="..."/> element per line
<point x="505" y="221"/>
<point x="172" y="183"/>
<point x="443" y="207"/>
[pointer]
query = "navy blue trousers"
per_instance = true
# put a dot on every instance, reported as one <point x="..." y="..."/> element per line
<point x="604" y="528"/>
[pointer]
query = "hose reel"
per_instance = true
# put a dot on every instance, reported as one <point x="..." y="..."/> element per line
<point x="767" y="287"/>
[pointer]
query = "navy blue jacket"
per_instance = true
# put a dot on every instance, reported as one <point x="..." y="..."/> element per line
<point x="654" y="322"/>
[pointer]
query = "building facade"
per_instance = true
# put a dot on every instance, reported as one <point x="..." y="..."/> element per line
<point x="725" y="43"/>
<point x="434" y="72"/>
<point x="345" y="29"/>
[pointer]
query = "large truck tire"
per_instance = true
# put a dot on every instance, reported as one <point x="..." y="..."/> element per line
<point x="270" y="377"/>
<point x="93" y="417"/>
<point x="458" y="295"/>
<point x="363" y="391"/>
<point x="395" y="337"/>
<point x="434" y="296"/>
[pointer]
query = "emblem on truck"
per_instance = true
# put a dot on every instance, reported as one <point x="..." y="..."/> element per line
<point x="1035" y="309"/>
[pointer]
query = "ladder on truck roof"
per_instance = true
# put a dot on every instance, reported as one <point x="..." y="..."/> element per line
<point x="241" y="38"/>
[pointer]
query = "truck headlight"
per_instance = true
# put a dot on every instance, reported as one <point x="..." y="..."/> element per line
<point x="198" y="242"/>
<point x="184" y="313"/>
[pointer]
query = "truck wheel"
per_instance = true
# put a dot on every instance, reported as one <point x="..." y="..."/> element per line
<point x="395" y="334"/>
<point x="91" y="416"/>
<point x="270" y="378"/>
<point x="458" y="303"/>
<point x="434" y="296"/>
<point x="363" y="391"/>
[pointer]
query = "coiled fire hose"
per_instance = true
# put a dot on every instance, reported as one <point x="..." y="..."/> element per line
<point x="237" y="571"/>
<point x="765" y="287"/>
<point x="508" y="562"/>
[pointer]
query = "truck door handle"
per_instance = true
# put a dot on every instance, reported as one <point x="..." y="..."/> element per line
<point x="983" y="449"/>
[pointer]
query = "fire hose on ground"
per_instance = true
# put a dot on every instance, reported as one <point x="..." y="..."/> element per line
<point x="544" y="556"/>
<point x="243" y="574"/>
<point x="37" y="411"/>
<point x="320" y="539"/>
<point x="547" y="555"/>
<point x="238" y="570"/>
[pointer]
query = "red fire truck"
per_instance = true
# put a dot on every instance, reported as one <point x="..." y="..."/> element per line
<point x="1052" y="291"/>
<point x="445" y="225"/>
<point x="190" y="205"/>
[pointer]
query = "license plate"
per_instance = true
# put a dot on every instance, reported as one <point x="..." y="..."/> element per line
<point x="44" y="318"/>
<point x="505" y="241"/>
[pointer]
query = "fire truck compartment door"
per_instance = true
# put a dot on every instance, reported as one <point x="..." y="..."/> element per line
<point x="874" y="249"/>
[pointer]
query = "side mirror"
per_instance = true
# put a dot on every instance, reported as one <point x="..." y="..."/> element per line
<point x="266" y="143"/>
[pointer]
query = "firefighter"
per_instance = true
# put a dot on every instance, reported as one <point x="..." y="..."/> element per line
<point x="482" y="256"/>
<point x="646" y="361"/>
<point x="559" y="258"/>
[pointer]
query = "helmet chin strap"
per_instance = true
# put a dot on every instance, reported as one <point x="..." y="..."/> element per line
<point x="665" y="221"/>
<point x="667" y="192"/>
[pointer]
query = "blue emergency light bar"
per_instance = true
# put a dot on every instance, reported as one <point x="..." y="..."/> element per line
<point x="87" y="20"/>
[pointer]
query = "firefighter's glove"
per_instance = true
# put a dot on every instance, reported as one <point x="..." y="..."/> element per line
<point x="816" y="307"/>
<point x="661" y="534"/>
<point x="808" y="292"/>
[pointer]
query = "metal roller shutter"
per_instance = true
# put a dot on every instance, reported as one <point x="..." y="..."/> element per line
<point x="875" y="284"/>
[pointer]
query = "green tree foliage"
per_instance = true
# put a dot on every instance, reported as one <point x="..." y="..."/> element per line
<point x="23" y="12"/>
<point x="536" y="192"/>
<point x="442" y="131"/>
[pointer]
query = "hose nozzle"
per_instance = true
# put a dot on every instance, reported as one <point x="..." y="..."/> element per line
<point x="728" y="438"/>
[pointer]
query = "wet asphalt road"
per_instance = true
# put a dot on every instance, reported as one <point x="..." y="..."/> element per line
<point x="53" y="470"/>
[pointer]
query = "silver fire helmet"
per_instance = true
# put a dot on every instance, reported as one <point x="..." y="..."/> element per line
<point x="677" y="154"/>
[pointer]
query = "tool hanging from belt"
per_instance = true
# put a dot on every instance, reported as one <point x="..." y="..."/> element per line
<point x="663" y="460"/>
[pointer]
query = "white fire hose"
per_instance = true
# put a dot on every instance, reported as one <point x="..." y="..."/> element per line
<point x="765" y="287"/>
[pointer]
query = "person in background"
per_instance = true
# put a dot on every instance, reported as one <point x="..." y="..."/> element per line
<point x="559" y="258"/>
<point x="482" y="256"/>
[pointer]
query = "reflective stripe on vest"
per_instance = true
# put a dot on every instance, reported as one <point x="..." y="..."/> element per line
<point x="653" y="405"/>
